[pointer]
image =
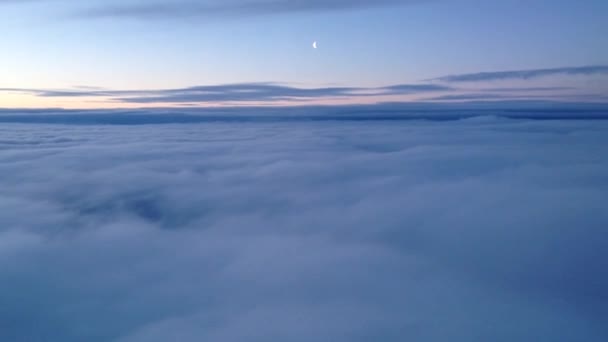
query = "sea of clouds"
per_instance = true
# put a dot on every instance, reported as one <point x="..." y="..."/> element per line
<point x="482" y="229"/>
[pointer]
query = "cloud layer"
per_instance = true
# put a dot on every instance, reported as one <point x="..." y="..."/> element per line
<point x="483" y="229"/>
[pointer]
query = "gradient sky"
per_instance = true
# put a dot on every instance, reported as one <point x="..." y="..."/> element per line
<point x="171" y="46"/>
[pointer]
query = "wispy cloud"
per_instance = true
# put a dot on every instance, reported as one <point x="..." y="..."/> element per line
<point x="526" y="89"/>
<point x="497" y="96"/>
<point x="413" y="88"/>
<point x="238" y="8"/>
<point x="524" y="74"/>
<point x="244" y="92"/>
<point x="275" y="93"/>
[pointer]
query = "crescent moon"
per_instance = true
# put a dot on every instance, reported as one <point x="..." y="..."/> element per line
<point x="314" y="45"/>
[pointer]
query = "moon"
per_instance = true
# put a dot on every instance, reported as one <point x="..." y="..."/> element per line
<point x="314" y="45"/>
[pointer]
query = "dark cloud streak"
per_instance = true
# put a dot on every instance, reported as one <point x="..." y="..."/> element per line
<point x="525" y="74"/>
<point x="211" y="9"/>
<point x="489" y="96"/>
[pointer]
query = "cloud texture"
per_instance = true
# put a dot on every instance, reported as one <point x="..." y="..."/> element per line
<point x="483" y="229"/>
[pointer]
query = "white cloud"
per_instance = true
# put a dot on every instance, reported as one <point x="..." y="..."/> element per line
<point x="472" y="230"/>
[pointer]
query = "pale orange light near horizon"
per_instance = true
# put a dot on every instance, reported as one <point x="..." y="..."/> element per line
<point x="25" y="101"/>
<point x="28" y="101"/>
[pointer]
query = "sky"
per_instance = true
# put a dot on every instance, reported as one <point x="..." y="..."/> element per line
<point x="159" y="53"/>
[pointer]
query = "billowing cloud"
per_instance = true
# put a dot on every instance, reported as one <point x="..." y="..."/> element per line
<point x="482" y="229"/>
<point x="525" y="74"/>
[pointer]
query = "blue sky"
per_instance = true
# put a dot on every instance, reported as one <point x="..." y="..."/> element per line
<point x="151" y="45"/>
